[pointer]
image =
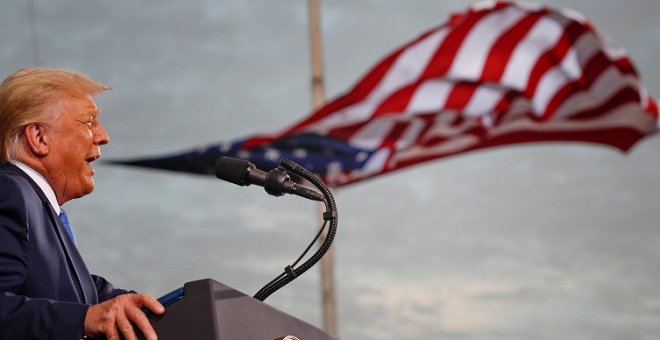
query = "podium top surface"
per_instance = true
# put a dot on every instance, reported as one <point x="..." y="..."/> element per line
<point x="211" y="310"/>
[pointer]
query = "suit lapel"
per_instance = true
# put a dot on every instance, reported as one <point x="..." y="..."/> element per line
<point x="80" y="271"/>
<point x="85" y="285"/>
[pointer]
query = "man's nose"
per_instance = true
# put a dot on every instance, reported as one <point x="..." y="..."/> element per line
<point x="101" y="136"/>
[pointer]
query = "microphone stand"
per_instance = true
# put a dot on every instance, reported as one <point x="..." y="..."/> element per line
<point x="291" y="272"/>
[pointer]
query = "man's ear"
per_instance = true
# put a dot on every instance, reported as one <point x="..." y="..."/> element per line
<point x="36" y="139"/>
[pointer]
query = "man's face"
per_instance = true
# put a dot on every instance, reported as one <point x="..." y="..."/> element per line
<point x="75" y="138"/>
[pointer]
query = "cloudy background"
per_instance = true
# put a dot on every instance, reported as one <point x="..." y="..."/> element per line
<point x="549" y="241"/>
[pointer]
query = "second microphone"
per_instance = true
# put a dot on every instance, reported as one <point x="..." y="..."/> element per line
<point x="276" y="182"/>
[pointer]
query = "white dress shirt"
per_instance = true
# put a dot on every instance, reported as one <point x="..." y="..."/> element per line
<point x="42" y="183"/>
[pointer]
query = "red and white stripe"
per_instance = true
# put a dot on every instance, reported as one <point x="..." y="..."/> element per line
<point x="500" y="73"/>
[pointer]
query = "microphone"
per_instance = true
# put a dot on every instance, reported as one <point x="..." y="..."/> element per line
<point x="276" y="182"/>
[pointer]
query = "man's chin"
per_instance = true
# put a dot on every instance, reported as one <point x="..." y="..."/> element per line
<point x="87" y="186"/>
<point x="90" y="186"/>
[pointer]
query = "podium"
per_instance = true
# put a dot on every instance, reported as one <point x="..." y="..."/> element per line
<point x="210" y="310"/>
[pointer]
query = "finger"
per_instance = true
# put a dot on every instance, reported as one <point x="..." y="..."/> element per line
<point x="111" y="333"/>
<point x="142" y="322"/>
<point x="151" y="303"/>
<point x="125" y="326"/>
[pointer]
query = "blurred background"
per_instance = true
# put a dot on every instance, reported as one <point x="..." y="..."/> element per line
<point x="545" y="241"/>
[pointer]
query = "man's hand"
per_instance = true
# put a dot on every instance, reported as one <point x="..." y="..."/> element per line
<point x="116" y="315"/>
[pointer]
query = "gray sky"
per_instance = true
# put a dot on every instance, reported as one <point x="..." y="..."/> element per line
<point x="548" y="241"/>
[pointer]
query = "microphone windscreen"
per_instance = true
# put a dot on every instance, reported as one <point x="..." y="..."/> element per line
<point x="232" y="170"/>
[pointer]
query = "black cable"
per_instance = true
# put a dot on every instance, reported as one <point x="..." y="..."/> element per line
<point x="290" y="273"/>
<point x="318" y="235"/>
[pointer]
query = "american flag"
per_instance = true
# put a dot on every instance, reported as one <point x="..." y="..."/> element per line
<point x="499" y="73"/>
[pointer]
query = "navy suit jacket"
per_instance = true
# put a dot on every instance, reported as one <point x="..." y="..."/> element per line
<point x="45" y="287"/>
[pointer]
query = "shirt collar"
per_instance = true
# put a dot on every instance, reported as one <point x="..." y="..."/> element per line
<point x="42" y="183"/>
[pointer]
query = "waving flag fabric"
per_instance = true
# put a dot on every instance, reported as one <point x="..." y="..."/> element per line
<point x="500" y="73"/>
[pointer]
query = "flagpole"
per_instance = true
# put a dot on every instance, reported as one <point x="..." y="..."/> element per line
<point x="318" y="97"/>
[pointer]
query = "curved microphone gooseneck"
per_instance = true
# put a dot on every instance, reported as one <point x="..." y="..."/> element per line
<point x="291" y="272"/>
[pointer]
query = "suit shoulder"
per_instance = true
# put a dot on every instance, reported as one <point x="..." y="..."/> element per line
<point x="16" y="190"/>
<point x="13" y="182"/>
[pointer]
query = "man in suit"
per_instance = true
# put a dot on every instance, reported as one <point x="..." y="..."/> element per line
<point x="49" y="136"/>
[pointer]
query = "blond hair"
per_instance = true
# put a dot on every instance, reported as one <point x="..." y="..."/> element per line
<point x="26" y="95"/>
